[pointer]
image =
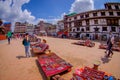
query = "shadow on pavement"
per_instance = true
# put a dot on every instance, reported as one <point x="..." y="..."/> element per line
<point x="40" y="70"/>
<point x="34" y="54"/>
<point x="105" y="59"/>
<point x="19" y="57"/>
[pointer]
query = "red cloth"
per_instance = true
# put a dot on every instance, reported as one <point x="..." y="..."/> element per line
<point x="89" y="73"/>
<point x="52" y="64"/>
<point x="87" y="42"/>
<point x="40" y="48"/>
<point x="43" y="46"/>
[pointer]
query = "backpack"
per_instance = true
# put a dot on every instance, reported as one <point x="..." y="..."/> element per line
<point x="23" y="42"/>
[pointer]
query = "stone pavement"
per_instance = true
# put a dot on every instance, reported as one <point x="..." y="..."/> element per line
<point x="13" y="65"/>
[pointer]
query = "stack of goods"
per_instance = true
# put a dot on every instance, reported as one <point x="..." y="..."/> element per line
<point x="40" y="48"/>
<point x="87" y="43"/>
<point x="57" y="77"/>
<point x="88" y="74"/>
<point x="2" y="37"/>
<point x="33" y="38"/>
<point x="104" y="46"/>
<point x="117" y="43"/>
<point x="36" y="49"/>
<point x="80" y="43"/>
<point x="32" y="44"/>
<point x="35" y="43"/>
<point x="51" y="64"/>
<point x="116" y="48"/>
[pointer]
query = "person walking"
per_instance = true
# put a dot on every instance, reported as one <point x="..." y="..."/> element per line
<point x="26" y="43"/>
<point x="9" y="35"/>
<point x="110" y="44"/>
<point x="108" y="41"/>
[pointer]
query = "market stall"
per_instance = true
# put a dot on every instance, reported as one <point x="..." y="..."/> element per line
<point x="104" y="46"/>
<point x="80" y="43"/>
<point x="87" y="43"/>
<point x="33" y="38"/>
<point x="52" y="64"/>
<point x="88" y="73"/>
<point x="38" y="49"/>
<point x="32" y="44"/>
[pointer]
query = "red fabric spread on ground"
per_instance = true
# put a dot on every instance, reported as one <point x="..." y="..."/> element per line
<point x="89" y="74"/>
<point x="52" y="64"/>
<point x="104" y="46"/>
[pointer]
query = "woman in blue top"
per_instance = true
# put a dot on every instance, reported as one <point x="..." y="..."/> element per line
<point x="26" y="43"/>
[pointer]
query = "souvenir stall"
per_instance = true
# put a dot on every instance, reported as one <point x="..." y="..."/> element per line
<point x="88" y="73"/>
<point x="39" y="49"/>
<point x="32" y="44"/>
<point x="104" y="46"/>
<point x="33" y="38"/>
<point x="87" y="43"/>
<point x="52" y="65"/>
<point x="80" y="43"/>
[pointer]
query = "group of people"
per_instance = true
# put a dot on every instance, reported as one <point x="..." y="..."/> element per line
<point x="19" y="36"/>
<point x="26" y="43"/>
<point x="11" y="35"/>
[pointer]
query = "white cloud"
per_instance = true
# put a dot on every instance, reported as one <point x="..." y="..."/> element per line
<point x="38" y="20"/>
<point x="82" y="6"/>
<point x="52" y="20"/>
<point x="62" y="15"/>
<point x="55" y="20"/>
<point x="77" y="6"/>
<point x="10" y="10"/>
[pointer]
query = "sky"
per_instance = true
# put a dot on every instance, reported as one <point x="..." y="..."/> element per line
<point x="50" y="11"/>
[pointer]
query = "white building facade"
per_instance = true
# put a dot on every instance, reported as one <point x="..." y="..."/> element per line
<point x="95" y="24"/>
<point x="41" y="27"/>
<point x="60" y="25"/>
<point x="30" y="29"/>
<point x="20" y="27"/>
